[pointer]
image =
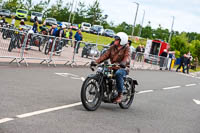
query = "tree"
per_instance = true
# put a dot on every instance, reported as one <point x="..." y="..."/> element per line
<point x="11" y="5"/>
<point x="195" y="48"/>
<point x="94" y="12"/>
<point x="180" y="43"/>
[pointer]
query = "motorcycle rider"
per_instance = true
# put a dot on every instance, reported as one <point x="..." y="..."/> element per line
<point x="118" y="53"/>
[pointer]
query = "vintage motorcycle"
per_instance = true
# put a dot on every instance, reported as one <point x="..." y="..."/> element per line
<point x="102" y="87"/>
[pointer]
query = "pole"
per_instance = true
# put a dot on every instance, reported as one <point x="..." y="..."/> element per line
<point x="170" y="36"/>
<point x="135" y="18"/>
<point x="74" y="12"/>
<point x="142" y="24"/>
<point x="72" y="5"/>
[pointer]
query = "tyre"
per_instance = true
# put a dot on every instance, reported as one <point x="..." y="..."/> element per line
<point x="11" y="45"/>
<point x="4" y="35"/>
<point x="47" y="47"/>
<point x="91" y="94"/>
<point x="129" y="94"/>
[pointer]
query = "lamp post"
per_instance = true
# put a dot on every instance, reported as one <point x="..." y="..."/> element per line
<point x="135" y="18"/>
<point x="72" y="5"/>
<point x="170" y="36"/>
<point x="142" y="23"/>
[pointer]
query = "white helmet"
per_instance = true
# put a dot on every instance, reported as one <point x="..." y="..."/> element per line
<point x="30" y="31"/>
<point x="123" y="37"/>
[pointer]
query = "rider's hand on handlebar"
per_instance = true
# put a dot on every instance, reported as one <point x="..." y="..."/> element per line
<point x="93" y="63"/>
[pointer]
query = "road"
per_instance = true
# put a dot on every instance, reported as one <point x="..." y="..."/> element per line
<point x="47" y="100"/>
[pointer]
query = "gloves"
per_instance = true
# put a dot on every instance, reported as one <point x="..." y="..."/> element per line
<point x="93" y="63"/>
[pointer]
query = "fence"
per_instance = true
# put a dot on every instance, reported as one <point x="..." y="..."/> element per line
<point x="37" y="48"/>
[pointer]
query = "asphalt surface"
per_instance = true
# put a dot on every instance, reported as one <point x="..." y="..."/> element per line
<point x="164" y="103"/>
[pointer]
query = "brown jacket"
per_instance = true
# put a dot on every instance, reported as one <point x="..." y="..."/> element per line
<point x="121" y="56"/>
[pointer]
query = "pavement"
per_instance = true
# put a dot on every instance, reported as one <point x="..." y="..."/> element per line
<point x="44" y="99"/>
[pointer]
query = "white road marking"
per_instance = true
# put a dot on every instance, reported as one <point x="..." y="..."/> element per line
<point x="5" y="120"/>
<point x="169" y="88"/>
<point x="67" y="74"/>
<point x="48" y="110"/>
<point x="190" y="85"/>
<point x="196" y="101"/>
<point x="75" y="78"/>
<point x="146" y="91"/>
<point x="82" y="78"/>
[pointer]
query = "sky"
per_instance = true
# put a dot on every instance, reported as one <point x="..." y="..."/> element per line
<point x="185" y="12"/>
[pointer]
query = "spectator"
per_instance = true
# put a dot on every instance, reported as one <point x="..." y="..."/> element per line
<point x="78" y="37"/>
<point x="182" y="63"/>
<point x="187" y="63"/>
<point x="139" y="53"/>
<point x="163" y="59"/>
<point x="35" y="19"/>
<point x="35" y="27"/>
<point x="22" y="22"/>
<point x="70" y="36"/>
<point x="132" y="49"/>
<point x="13" y="21"/>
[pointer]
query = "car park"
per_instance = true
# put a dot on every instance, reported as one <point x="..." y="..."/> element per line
<point x="5" y="12"/>
<point x="85" y="27"/>
<point x="21" y="14"/>
<point x="51" y="21"/>
<point x="38" y="15"/>
<point x="97" y="29"/>
<point x="108" y="33"/>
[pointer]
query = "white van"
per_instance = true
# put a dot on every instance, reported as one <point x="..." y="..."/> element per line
<point x="85" y="27"/>
<point x="38" y="15"/>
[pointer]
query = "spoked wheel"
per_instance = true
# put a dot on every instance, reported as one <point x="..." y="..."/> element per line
<point x="128" y="94"/>
<point x="12" y="44"/>
<point x="91" y="94"/>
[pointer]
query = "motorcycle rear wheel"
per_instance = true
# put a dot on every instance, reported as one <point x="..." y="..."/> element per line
<point x="91" y="87"/>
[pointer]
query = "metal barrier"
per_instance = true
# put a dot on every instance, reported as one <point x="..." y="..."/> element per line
<point x="50" y="49"/>
<point x="148" y="61"/>
<point x="10" y="44"/>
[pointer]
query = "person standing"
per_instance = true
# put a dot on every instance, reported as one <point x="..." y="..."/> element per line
<point x="163" y="58"/>
<point x="139" y="53"/>
<point x="78" y="37"/>
<point x="70" y="36"/>
<point x="13" y="21"/>
<point x="35" y="27"/>
<point x="187" y="63"/>
<point x="182" y="63"/>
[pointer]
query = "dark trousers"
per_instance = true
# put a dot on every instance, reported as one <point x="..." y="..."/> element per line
<point x="180" y="67"/>
<point x="187" y="68"/>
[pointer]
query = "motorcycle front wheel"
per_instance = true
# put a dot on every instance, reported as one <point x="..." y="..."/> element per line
<point x="91" y="94"/>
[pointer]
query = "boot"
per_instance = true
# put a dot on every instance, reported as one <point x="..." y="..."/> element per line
<point x="118" y="98"/>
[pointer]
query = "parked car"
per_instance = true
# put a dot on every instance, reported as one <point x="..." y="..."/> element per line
<point x="21" y="14"/>
<point x="97" y="29"/>
<point x="38" y="15"/>
<point x="51" y="21"/>
<point x="74" y="27"/>
<point x="67" y="24"/>
<point x="85" y="27"/>
<point x="109" y="33"/>
<point x="5" y="12"/>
